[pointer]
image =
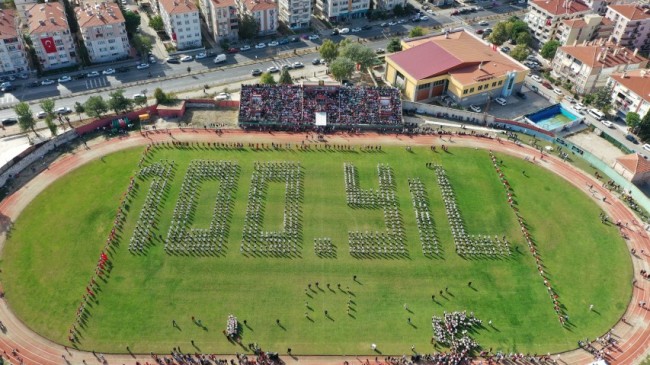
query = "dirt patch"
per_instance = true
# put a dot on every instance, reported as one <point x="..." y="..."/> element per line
<point x="598" y="146"/>
<point x="226" y="118"/>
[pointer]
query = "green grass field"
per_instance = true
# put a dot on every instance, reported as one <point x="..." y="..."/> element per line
<point x="54" y="246"/>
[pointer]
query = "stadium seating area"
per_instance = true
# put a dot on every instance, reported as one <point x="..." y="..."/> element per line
<point x="297" y="105"/>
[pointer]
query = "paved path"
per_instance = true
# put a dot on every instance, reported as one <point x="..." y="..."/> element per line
<point x="633" y="334"/>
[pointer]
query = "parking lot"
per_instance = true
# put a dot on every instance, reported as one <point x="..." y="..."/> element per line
<point x="516" y="106"/>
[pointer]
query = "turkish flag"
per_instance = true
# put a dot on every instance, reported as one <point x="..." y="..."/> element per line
<point x="48" y="45"/>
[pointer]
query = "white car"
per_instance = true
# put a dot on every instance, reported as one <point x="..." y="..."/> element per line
<point x="139" y="96"/>
<point x="200" y="56"/>
<point x="344" y="30"/>
<point x="298" y="65"/>
<point x="483" y="23"/>
<point x="187" y="58"/>
<point x="273" y="44"/>
<point x="536" y="78"/>
<point x="152" y="59"/>
<point x="63" y="79"/>
<point x="47" y="82"/>
<point x="646" y="147"/>
<point x="424" y="17"/>
<point x="260" y="45"/>
<point x="142" y="66"/>
<point x="272" y="70"/>
<point x="313" y="37"/>
<point x="500" y="101"/>
<point x="557" y="91"/>
<point x="355" y="30"/>
<point x="108" y="71"/>
<point x="401" y="21"/>
<point x="41" y="115"/>
<point x="92" y="74"/>
<point x="579" y="106"/>
<point x="607" y="123"/>
<point x="475" y="108"/>
<point x="222" y="96"/>
<point x="63" y="110"/>
<point x="244" y="48"/>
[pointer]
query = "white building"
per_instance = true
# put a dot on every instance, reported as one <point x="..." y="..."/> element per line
<point x="589" y="66"/>
<point x="295" y="14"/>
<point x="13" y="58"/>
<point x="632" y="25"/>
<point x="50" y="34"/>
<point x="387" y="4"/>
<point x="545" y="16"/>
<point x="103" y="31"/>
<point x="181" y="20"/>
<point x="579" y="30"/>
<point x="339" y="10"/>
<point x="265" y="12"/>
<point x="222" y="19"/>
<point x="631" y="92"/>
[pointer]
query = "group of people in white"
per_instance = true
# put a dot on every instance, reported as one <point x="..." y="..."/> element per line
<point x="232" y="326"/>
<point x="323" y="247"/>
<point x="274" y="243"/>
<point x="451" y="330"/>
<point x="423" y="217"/>
<point x="389" y="242"/>
<point x="467" y="245"/>
<point x="183" y="239"/>
<point x="160" y="173"/>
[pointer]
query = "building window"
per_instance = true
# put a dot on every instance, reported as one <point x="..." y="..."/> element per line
<point x="464" y="91"/>
<point x="500" y="82"/>
<point x="480" y="87"/>
<point x="494" y="84"/>
<point x="471" y="90"/>
<point x="424" y="86"/>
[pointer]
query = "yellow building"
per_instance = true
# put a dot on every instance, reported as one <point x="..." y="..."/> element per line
<point x="457" y="64"/>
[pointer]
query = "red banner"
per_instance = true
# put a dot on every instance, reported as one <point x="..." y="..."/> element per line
<point x="48" y="45"/>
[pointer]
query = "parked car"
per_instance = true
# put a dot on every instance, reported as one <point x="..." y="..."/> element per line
<point x="187" y="58"/>
<point x="344" y="31"/>
<point x="244" y="48"/>
<point x="256" y="72"/>
<point x="483" y="23"/>
<point x="315" y="61"/>
<point x="558" y="91"/>
<point x="646" y="147"/>
<point x="313" y="37"/>
<point x="578" y="106"/>
<point x="64" y="79"/>
<point x="260" y="45"/>
<point x="607" y="123"/>
<point x="380" y="51"/>
<point x="536" y="78"/>
<point x="222" y="96"/>
<point x="355" y="30"/>
<point x="34" y="84"/>
<point x="173" y="60"/>
<point x="273" y="44"/>
<point x="9" y="121"/>
<point x="475" y="108"/>
<point x="47" y="82"/>
<point x="200" y="56"/>
<point x="632" y="139"/>
<point x="152" y="59"/>
<point x="534" y="88"/>
<point x="547" y="85"/>
<point x="138" y="96"/>
<point x="273" y="70"/>
<point x="392" y="23"/>
<point x="424" y="18"/>
<point x="479" y="31"/>
<point x="500" y="101"/>
<point x="334" y="32"/>
<point x="383" y="25"/>
<point x="63" y="110"/>
<point x="505" y="49"/>
<point x="143" y="66"/>
<point x="108" y="71"/>
<point x="7" y="88"/>
<point x="220" y="58"/>
<point x="91" y="74"/>
<point x="41" y="115"/>
<point x="521" y="95"/>
<point x="287" y="67"/>
<point x="298" y="65"/>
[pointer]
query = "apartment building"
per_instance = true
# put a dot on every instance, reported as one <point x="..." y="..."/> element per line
<point x="589" y="66"/>
<point x="631" y="25"/>
<point x="265" y="12"/>
<point x="387" y="4"/>
<point x="50" y="34"/>
<point x="103" y="31"/>
<point x="13" y="58"/>
<point x="631" y="92"/>
<point x="579" y="30"/>
<point x="181" y="20"/>
<point x="340" y="10"/>
<point x="295" y="14"/>
<point x="545" y="16"/>
<point x="222" y="19"/>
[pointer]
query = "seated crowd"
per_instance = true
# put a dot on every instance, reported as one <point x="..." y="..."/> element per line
<point x="297" y="105"/>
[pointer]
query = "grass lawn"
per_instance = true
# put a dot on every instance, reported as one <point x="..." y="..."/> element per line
<point x="55" y="244"/>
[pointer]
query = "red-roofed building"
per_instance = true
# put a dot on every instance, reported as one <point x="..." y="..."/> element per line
<point x="50" y="34"/>
<point x="588" y="66"/>
<point x="457" y="64"/>
<point x="579" y="30"/>
<point x="634" y="168"/>
<point x="13" y="58"/>
<point x="103" y="31"/>
<point x="182" y="24"/>
<point x="631" y="92"/>
<point x="545" y="16"/>
<point x="631" y="25"/>
<point x="265" y="12"/>
<point x="222" y="19"/>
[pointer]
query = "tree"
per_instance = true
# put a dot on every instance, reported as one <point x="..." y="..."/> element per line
<point x="161" y="96"/>
<point x="644" y="128"/>
<point x="499" y="34"/>
<point x="549" y="48"/>
<point x="360" y="54"/>
<point x="342" y="68"/>
<point x="267" y="79"/>
<point x="632" y="119"/>
<point x="602" y="99"/>
<point x="118" y="102"/>
<point x="523" y="38"/>
<point x="409" y="9"/>
<point x="140" y="100"/>
<point x="248" y="27"/>
<point x="520" y="52"/>
<point x="285" y="78"/>
<point x="47" y="105"/>
<point x="515" y="27"/>
<point x="156" y="23"/>
<point x="416" y="32"/>
<point x="329" y="50"/>
<point x="142" y="43"/>
<point x="79" y="109"/>
<point x="25" y="116"/>
<point x="398" y="10"/>
<point x="131" y="22"/>
<point x="83" y="53"/>
<point x="394" y="45"/>
<point x="95" y="106"/>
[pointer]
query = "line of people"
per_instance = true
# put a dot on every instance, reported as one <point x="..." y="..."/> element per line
<point x="424" y="218"/>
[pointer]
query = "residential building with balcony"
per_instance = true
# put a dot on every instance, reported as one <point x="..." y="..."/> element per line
<point x="22" y="10"/>
<point x="631" y="25"/>
<point x="340" y="10"/>
<point x="265" y="12"/>
<point x="387" y="4"/>
<point x="545" y="17"/>
<point x="223" y="20"/>
<point x="181" y="21"/>
<point x="50" y="34"/>
<point x="103" y="31"/>
<point x="295" y="14"/>
<point x="589" y="66"/>
<point x="13" y="58"/>
<point x="579" y="30"/>
<point x="631" y="92"/>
